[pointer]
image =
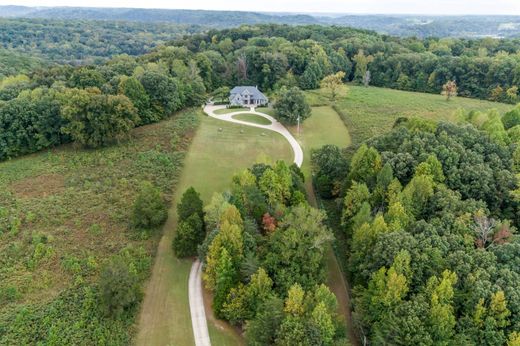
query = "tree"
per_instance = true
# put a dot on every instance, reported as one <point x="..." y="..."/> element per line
<point x="134" y="90"/>
<point x="86" y="77"/>
<point x="441" y="318"/>
<point x="511" y="118"/>
<point x="367" y="78"/>
<point x="188" y="236"/>
<point x="225" y="278"/>
<point x="291" y="106"/>
<point x="301" y="237"/>
<point x="330" y="167"/>
<point x="95" y="119"/>
<point x="498" y="309"/>
<point x="333" y="83"/>
<point x="243" y="302"/>
<point x="230" y="237"/>
<point x="118" y="287"/>
<point x="190" y="204"/>
<point x="449" y="90"/>
<point x="261" y="330"/>
<point x="221" y="94"/>
<point x="149" y="209"/>
<point x="365" y="165"/>
<point x="361" y="61"/>
<point x="165" y="92"/>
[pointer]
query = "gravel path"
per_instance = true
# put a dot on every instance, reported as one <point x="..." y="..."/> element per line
<point x="198" y="315"/>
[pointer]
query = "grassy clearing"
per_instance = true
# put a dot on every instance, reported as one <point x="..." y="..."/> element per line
<point x="219" y="149"/>
<point x="252" y="118"/>
<point x="230" y="110"/>
<point x="369" y="112"/>
<point x="63" y="213"/>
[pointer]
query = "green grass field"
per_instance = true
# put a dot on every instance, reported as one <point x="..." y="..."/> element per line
<point x="369" y="112"/>
<point x="230" y="110"/>
<point x="252" y="118"/>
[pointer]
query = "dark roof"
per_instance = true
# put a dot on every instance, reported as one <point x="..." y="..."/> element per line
<point x="257" y="94"/>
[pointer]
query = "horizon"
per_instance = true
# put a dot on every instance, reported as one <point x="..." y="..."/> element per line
<point x="306" y="7"/>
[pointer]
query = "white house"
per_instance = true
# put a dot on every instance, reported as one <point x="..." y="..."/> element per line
<point x="247" y="96"/>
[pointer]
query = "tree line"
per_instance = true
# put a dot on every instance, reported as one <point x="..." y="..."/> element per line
<point x="95" y="105"/>
<point x="274" y="55"/>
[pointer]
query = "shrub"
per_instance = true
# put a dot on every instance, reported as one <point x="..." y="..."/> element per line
<point x="119" y="288"/>
<point x="149" y="209"/>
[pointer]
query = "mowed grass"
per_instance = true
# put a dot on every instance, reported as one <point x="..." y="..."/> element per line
<point x="252" y="118"/>
<point x="371" y="111"/>
<point x="218" y="150"/>
<point x="65" y="212"/>
<point x="221" y="149"/>
<point x="230" y="110"/>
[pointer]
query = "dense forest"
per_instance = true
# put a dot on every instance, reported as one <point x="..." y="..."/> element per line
<point x="83" y="41"/>
<point x="148" y="87"/>
<point x="397" y="25"/>
<point x="430" y="213"/>
<point x="264" y="257"/>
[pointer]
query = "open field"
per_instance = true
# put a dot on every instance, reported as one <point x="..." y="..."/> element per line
<point x="63" y="214"/>
<point x="231" y="110"/>
<point x="252" y="118"/>
<point x="219" y="149"/>
<point x="369" y="112"/>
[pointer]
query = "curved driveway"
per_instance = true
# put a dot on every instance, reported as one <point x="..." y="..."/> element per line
<point x="198" y="314"/>
<point x="275" y="126"/>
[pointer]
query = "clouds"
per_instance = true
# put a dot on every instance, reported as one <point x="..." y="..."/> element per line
<point x="485" y="7"/>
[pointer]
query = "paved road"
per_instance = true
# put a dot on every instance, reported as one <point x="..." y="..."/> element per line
<point x="198" y="314"/>
<point x="275" y="126"/>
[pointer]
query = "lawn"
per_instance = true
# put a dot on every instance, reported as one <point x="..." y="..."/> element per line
<point x="252" y="118"/>
<point x="231" y="110"/>
<point x="267" y="110"/>
<point x="219" y="149"/>
<point x="63" y="214"/>
<point x="372" y="111"/>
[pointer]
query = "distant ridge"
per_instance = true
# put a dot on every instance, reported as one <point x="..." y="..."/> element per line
<point x="397" y="25"/>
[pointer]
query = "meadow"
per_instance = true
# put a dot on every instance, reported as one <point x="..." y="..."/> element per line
<point x="371" y="111"/>
<point x="63" y="214"/>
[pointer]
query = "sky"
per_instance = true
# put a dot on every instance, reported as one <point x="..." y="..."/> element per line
<point x="445" y="7"/>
